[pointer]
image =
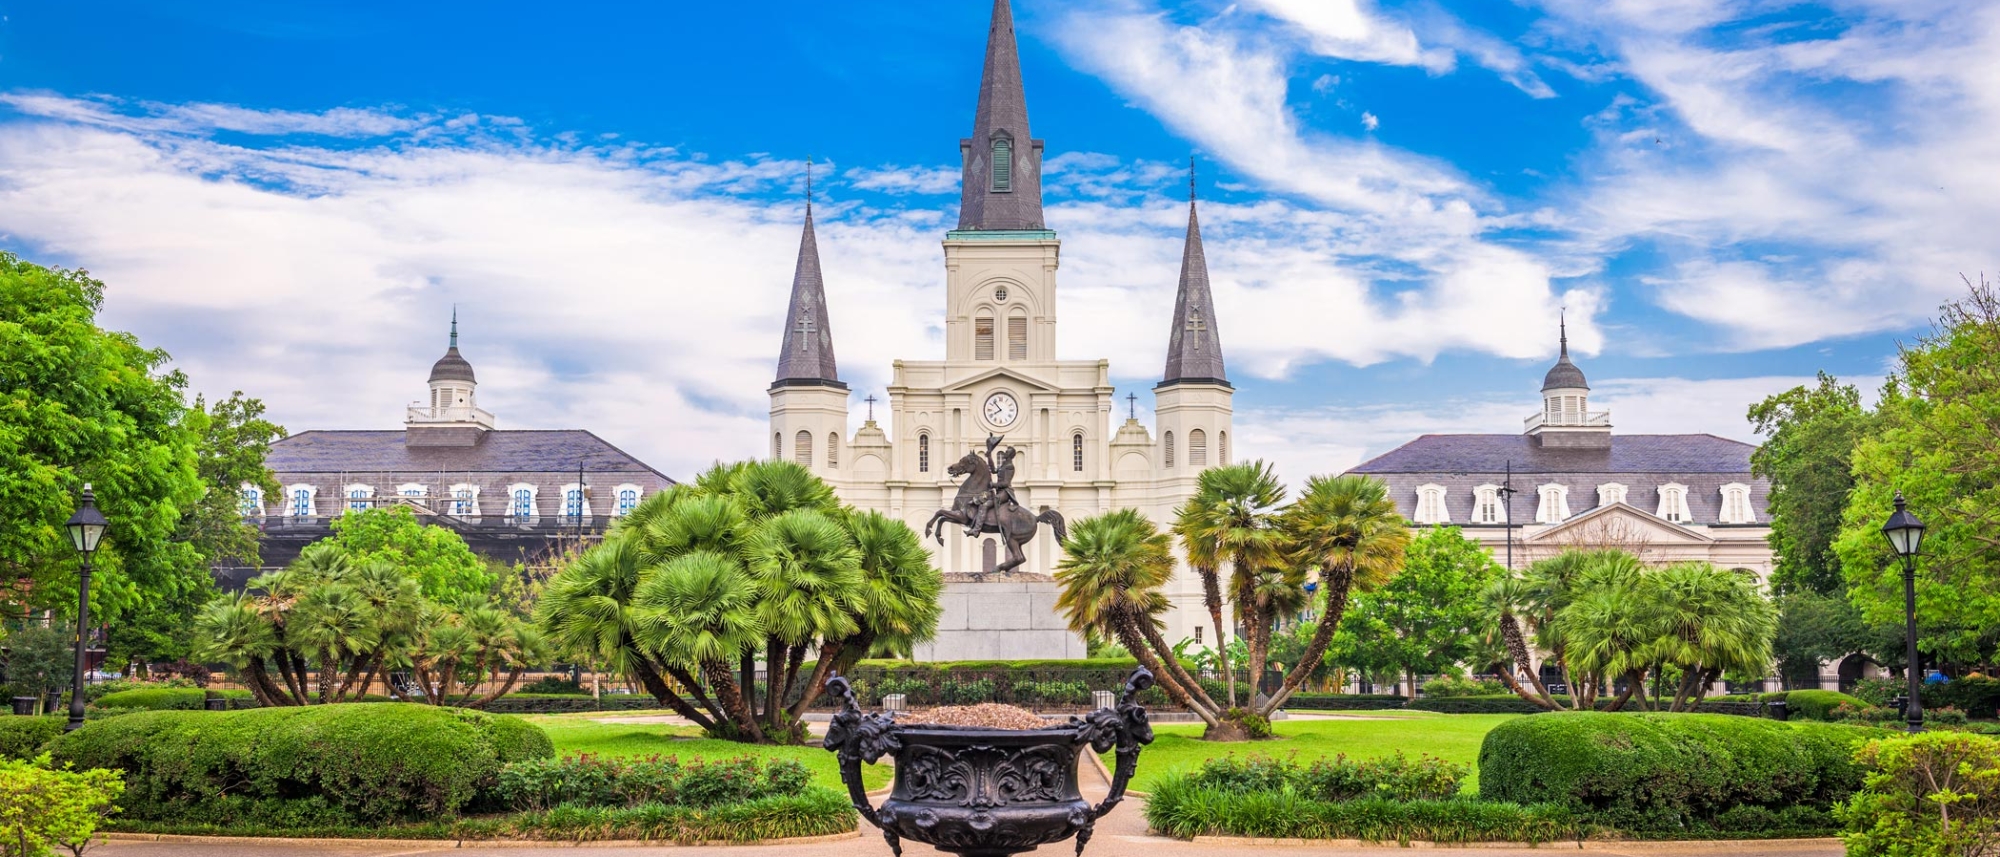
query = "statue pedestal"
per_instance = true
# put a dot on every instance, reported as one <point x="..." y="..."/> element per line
<point x="1001" y="617"/>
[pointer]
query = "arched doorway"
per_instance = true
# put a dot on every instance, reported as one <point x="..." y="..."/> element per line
<point x="1853" y="668"/>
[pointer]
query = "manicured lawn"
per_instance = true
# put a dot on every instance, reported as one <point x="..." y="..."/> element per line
<point x="575" y="734"/>
<point x="1454" y="737"/>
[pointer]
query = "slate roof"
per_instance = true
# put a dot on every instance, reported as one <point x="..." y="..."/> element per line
<point x="1194" y="344"/>
<point x="515" y="451"/>
<point x="1629" y="453"/>
<point x="1564" y="375"/>
<point x="807" y="354"/>
<point x="1002" y="112"/>
<point x="452" y="367"/>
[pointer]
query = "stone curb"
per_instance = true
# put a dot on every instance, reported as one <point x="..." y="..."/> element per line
<point x="471" y="843"/>
<point x="1622" y="845"/>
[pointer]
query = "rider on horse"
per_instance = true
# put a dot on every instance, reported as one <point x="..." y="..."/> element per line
<point x="1001" y="495"/>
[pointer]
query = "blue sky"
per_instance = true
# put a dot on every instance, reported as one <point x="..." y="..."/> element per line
<point x="1727" y="194"/>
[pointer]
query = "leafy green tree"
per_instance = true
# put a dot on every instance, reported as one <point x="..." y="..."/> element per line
<point x="40" y="660"/>
<point x="1810" y="436"/>
<point x="1813" y="628"/>
<point x="1426" y="618"/>
<point x="444" y="567"/>
<point x="1938" y="444"/>
<point x="79" y="404"/>
<point x="754" y="559"/>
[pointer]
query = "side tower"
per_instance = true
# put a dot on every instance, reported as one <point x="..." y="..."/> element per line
<point x="808" y="399"/>
<point x="1000" y="263"/>
<point x="451" y="416"/>
<point x="1193" y="399"/>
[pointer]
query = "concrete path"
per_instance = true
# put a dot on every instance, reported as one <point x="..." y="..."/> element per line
<point x="1120" y="834"/>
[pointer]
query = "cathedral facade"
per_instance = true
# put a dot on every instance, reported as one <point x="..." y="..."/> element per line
<point x="1075" y="453"/>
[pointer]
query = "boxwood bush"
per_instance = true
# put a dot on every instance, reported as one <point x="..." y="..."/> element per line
<point x="1179" y="807"/>
<point x="164" y="698"/>
<point x="359" y="763"/>
<point x="24" y="737"/>
<point x="1815" y="704"/>
<point x="1676" y="773"/>
<point x="1344" y="701"/>
<point x="600" y="782"/>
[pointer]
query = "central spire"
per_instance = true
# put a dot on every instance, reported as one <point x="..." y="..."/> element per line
<point x="1002" y="179"/>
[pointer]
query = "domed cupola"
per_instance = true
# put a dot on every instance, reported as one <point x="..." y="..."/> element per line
<point x="451" y="416"/>
<point x="1566" y="419"/>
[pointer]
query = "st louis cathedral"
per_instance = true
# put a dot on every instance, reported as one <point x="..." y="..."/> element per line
<point x="1073" y="454"/>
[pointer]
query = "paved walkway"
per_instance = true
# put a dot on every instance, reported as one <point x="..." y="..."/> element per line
<point x="1120" y="834"/>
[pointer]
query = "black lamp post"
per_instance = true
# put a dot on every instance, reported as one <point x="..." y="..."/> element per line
<point x="1906" y="534"/>
<point x="86" y="528"/>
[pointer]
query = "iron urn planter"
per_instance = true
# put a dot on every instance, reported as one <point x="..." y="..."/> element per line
<point x="982" y="792"/>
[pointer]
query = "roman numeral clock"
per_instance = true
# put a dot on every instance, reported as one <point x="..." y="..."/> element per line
<point x="1002" y="410"/>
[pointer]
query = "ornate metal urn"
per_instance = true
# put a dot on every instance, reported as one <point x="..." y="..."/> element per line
<point x="987" y="792"/>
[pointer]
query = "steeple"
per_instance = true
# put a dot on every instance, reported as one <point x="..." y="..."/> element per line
<point x="807" y="356"/>
<point x="1194" y="345"/>
<point x="452" y="366"/>
<point x="1002" y="181"/>
<point x="450" y="415"/>
<point x="1564" y="375"/>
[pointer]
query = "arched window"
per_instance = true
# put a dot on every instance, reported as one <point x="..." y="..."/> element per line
<point x="574" y="505"/>
<point x="802" y="448"/>
<point x="1197" y="448"/>
<point x="358" y="497"/>
<point x="1076" y="452"/>
<point x="777" y="440"/>
<point x="1017" y="337"/>
<point x="833" y="451"/>
<point x="1736" y="505"/>
<point x="1430" y="505"/>
<point x="1486" y="510"/>
<point x="1170" y="449"/>
<point x="628" y="499"/>
<point x="923" y="453"/>
<point x="250" y="502"/>
<point x="1674" y="503"/>
<point x="1003" y="165"/>
<point x="1609" y="493"/>
<point x="412" y="489"/>
<point x="1222" y="447"/>
<point x="465" y="501"/>
<point x="302" y="502"/>
<point x="521" y="501"/>
<point x="1554" y="507"/>
<point x="982" y="338"/>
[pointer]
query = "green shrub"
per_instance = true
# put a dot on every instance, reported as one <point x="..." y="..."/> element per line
<point x="41" y="807"/>
<point x="317" y="765"/>
<point x="1336" y="779"/>
<point x="1499" y="704"/>
<point x="1934" y="793"/>
<point x="1977" y="696"/>
<point x="1452" y="686"/>
<point x="1878" y="691"/>
<point x="553" y="686"/>
<point x="1050" y="693"/>
<point x="1179" y="807"/>
<point x="165" y="698"/>
<point x="1344" y="701"/>
<point x="1815" y="704"/>
<point x="600" y="782"/>
<point x="954" y="691"/>
<point x="1946" y="716"/>
<point x="25" y="737"/>
<point x="1670" y="772"/>
<point x="814" y="811"/>
<point x="94" y="692"/>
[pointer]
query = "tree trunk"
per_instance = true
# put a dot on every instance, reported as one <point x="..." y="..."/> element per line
<point x="747" y="687"/>
<point x="1130" y="637"/>
<point x="259" y="680"/>
<point x="1633" y="680"/>
<point x="1336" y="582"/>
<point x="1211" y="595"/>
<point x="1158" y="644"/>
<point x="734" y="700"/>
<point x="1517" y="648"/>
<point x="513" y="675"/>
<point x="695" y="690"/>
<point x="794" y="659"/>
<point x="649" y="678"/>
<point x="816" y="683"/>
<point x="774" y="656"/>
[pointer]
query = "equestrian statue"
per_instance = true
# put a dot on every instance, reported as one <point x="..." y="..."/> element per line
<point x="986" y="504"/>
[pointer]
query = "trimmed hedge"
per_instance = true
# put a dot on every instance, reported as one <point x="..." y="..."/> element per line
<point x="1344" y="701"/>
<point x="1814" y="704"/>
<point x="24" y="737"/>
<point x="1178" y="807"/>
<point x="330" y="765"/>
<point x="1676" y="773"/>
<point x="165" y="698"/>
<point x="1976" y="696"/>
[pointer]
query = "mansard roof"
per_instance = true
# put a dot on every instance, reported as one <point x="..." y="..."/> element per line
<point x="511" y="451"/>
<point x="1628" y="453"/>
<point x="1002" y="113"/>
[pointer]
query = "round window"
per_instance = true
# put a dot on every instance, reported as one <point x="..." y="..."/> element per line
<point x="1000" y="294"/>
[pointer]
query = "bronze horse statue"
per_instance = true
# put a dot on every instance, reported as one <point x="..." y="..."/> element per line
<point x="1014" y="525"/>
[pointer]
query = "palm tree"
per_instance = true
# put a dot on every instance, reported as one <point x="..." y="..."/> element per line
<point x="1712" y="622"/>
<point x="701" y="609"/>
<point x="898" y="604"/>
<point x="1111" y="574"/>
<point x="1607" y="625"/>
<point x="587" y="609"/>
<point x="335" y="624"/>
<point x="1504" y="600"/>
<point x="395" y="601"/>
<point x="1233" y="517"/>
<point x="1351" y="531"/>
<point x="807" y="571"/>
<point x="229" y="629"/>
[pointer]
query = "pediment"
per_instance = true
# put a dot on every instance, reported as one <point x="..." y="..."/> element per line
<point x="1616" y="525"/>
<point x="998" y="374"/>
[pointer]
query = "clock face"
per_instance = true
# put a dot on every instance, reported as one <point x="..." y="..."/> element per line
<point x="1001" y="410"/>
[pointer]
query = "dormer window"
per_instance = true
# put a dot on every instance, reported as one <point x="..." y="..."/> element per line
<point x="521" y="501"/>
<point x="1674" y="503"/>
<point x="465" y="500"/>
<point x="1609" y="493"/>
<point x="1003" y="165"/>
<point x="302" y="497"/>
<point x="1430" y="505"/>
<point x="1554" y="507"/>
<point x="250" y="502"/>
<point x="1486" y="509"/>
<point x="1736" y="504"/>
<point x="628" y="499"/>
<point x="359" y="497"/>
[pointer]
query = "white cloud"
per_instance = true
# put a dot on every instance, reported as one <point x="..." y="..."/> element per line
<point x="1370" y="121"/>
<point x="905" y="180"/>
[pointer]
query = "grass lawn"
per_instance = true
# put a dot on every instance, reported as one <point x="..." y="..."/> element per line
<point x="575" y="734"/>
<point x="1454" y="737"/>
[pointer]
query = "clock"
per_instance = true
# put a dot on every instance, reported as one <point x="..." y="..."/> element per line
<point x="1001" y="410"/>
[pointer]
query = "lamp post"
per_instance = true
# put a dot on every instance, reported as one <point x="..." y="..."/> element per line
<point x="1906" y="534"/>
<point x="86" y="528"/>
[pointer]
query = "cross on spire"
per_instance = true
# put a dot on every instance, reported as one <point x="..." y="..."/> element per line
<point x="871" y="406"/>
<point x="1132" y="403"/>
<point x="805" y="330"/>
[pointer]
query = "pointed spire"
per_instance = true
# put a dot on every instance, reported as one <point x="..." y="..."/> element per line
<point x="1565" y="375"/>
<point x="452" y="366"/>
<point x="1002" y="179"/>
<point x="807" y="356"/>
<point x="1194" y="345"/>
<point x="1562" y="324"/>
<point x="454" y="325"/>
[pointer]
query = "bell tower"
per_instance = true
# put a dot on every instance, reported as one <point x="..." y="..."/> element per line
<point x="808" y="399"/>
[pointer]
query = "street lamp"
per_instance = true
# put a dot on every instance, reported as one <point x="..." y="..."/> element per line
<point x="86" y="529"/>
<point x="1906" y="534"/>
